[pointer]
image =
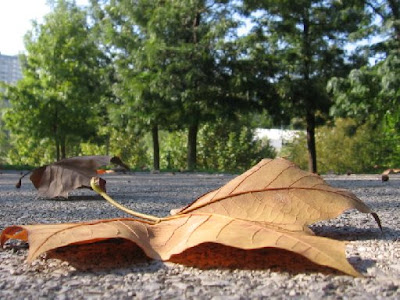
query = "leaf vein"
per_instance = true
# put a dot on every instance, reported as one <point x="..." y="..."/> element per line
<point x="223" y="227"/>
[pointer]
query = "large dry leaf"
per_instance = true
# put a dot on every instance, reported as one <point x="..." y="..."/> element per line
<point x="269" y="206"/>
<point x="60" y="178"/>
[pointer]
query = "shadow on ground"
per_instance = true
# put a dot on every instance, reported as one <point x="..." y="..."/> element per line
<point x="350" y="233"/>
<point x="119" y="253"/>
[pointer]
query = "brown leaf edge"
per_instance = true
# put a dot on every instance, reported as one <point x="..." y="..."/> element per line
<point x="164" y="246"/>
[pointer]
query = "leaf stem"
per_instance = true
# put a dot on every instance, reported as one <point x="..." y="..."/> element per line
<point x="19" y="183"/>
<point x="95" y="184"/>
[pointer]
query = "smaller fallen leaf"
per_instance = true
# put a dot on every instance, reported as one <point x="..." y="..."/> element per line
<point x="60" y="178"/>
<point x="385" y="174"/>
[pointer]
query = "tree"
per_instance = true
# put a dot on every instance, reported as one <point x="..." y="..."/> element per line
<point x="371" y="94"/>
<point x="126" y="31"/>
<point x="4" y="135"/>
<point x="307" y="37"/>
<point x="373" y="91"/>
<point x="172" y="64"/>
<point x="62" y="80"/>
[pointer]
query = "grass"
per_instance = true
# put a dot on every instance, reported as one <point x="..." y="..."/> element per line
<point x="16" y="167"/>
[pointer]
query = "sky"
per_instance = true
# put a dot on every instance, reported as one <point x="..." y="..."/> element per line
<point x="16" y="18"/>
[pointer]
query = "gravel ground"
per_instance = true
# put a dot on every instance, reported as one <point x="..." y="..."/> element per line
<point x="374" y="254"/>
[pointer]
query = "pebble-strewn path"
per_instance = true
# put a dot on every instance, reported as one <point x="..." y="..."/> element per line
<point x="374" y="254"/>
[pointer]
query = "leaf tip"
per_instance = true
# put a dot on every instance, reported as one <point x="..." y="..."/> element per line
<point x="377" y="220"/>
<point x="116" y="160"/>
<point x="18" y="184"/>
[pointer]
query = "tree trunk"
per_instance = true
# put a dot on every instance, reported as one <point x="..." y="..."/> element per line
<point x="310" y="114"/>
<point x="395" y="8"/>
<point x="312" y="151"/>
<point x="63" y="148"/>
<point x="156" y="148"/>
<point x="57" y="149"/>
<point x="191" y="147"/>
<point x="55" y="132"/>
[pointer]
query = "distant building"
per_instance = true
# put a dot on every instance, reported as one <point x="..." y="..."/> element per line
<point x="277" y="137"/>
<point x="10" y="69"/>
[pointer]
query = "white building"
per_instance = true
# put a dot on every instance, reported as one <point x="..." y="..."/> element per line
<point x="277" y="137"/>
<point x="10" y="69"/>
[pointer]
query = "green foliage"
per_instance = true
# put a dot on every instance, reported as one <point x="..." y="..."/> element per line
<point x="347" y="147"/>
<point x="4" y="134"/>
<point x="371" y="96"/>
<point x="230" y="147"/>
<point x="222" y="146"/>
<point x="59" y="95"/>
<point x="296" y="151"/>
<point x="176" y="67"/>
<point x="371" y="93"/>
<point x="306" y="39"/>
<point x="4" y="146"/>
<point x="29" y="151"/>
<point x="173" y="150"/>
<point x="130" y="147"/>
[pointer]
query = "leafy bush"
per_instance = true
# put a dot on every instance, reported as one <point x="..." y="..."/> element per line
<point x="222" y="146"/>
<point x="29" y="151"/>
<point x="230" y="147"/>
<point x="347" y="147"/>
<point x="173" y="150"/>
<point x="4" y="146"/>
<point x="130" y="147"/>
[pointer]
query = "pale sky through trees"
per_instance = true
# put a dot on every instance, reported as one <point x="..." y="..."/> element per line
<point x="16" y="19"/>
